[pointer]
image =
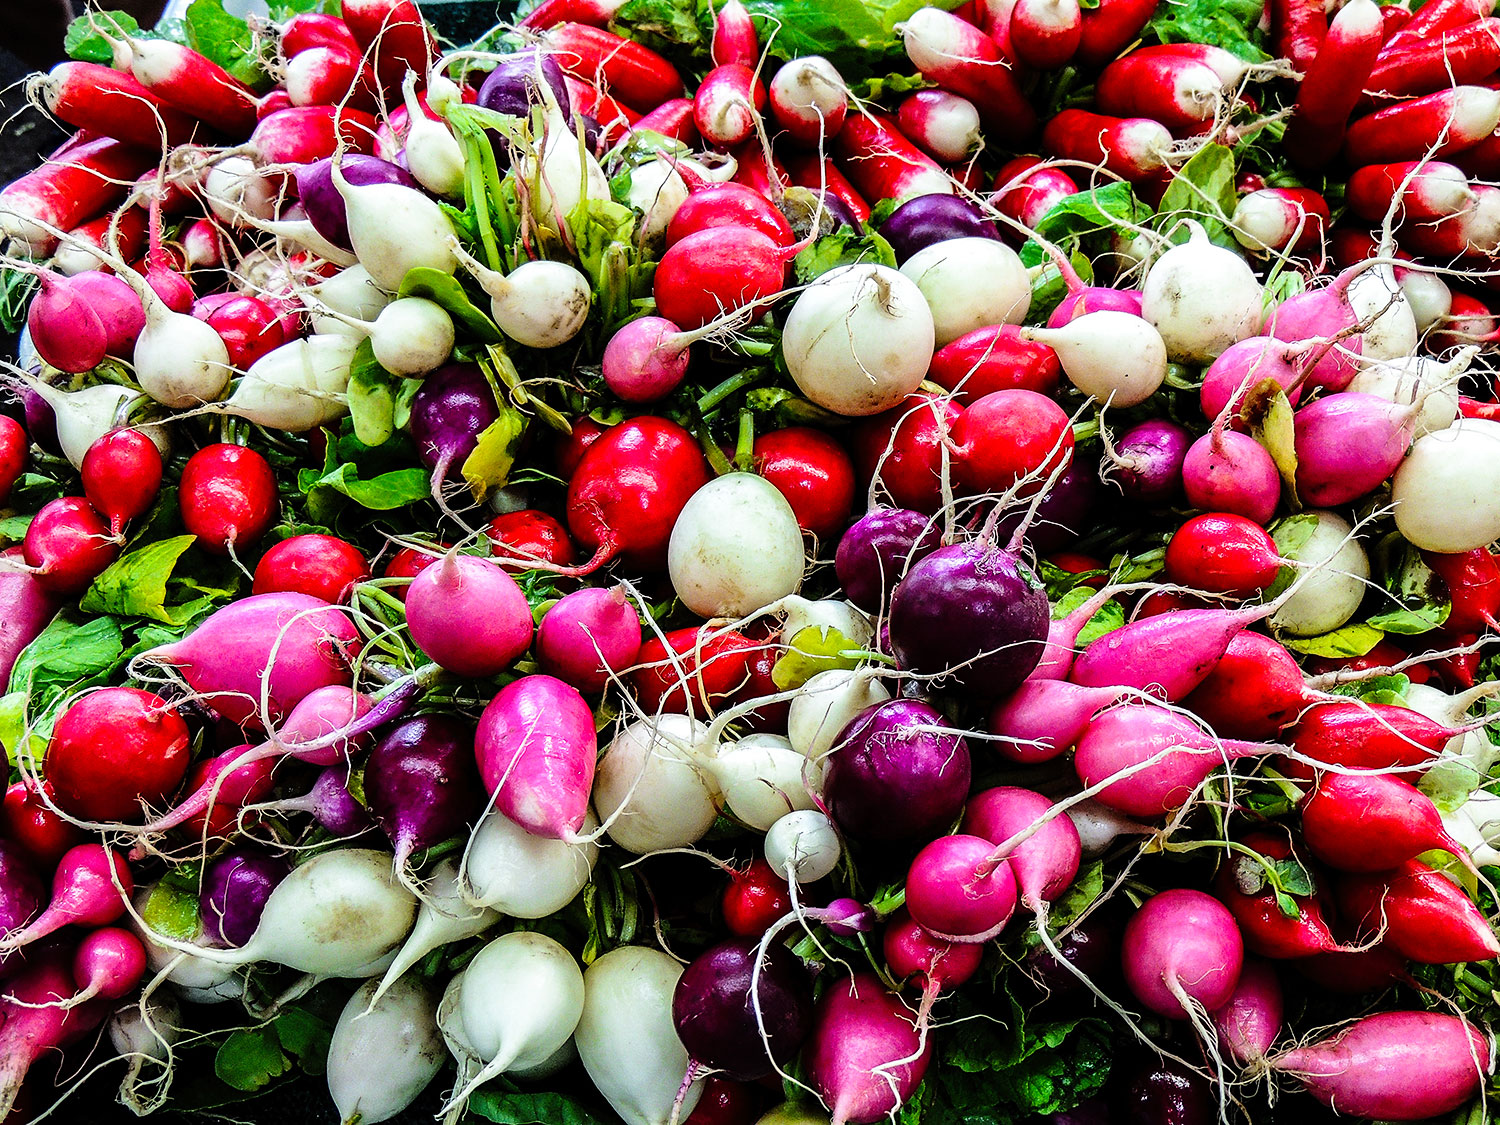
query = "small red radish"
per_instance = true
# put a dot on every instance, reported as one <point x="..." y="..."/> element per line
<point x="707" y="664"/>
<point x="122" y="476"/>
<point x="314" y="29"/>
<point x="1006" y="436"/>
<point x="813" y="472"/>
<point x="809" y="100"/>
<point x="717" y="271"/>
<point x="957" y="56"/>
<point x="993" y="359"/>
<point x="883" y="164"/>
<point x="28" y="821"/>
<point x="1473" y="581"/>
<point x="1109" y="28"/>
<point x="728" y="103"/>
<point x="1134" y="148"/>
<point x="672" y="119"/>
<point x="734" y="38"/>
<point x="1255" y="691"/>
<point x="528" y="538"/>
<point x="1222" y="554"/>
<point x="1243" y="884"/>
<point x="1372" y="822"/>
<point x="943" y="125"/>
<point x="393" y="37"/>
<point x="588" y="635"/>
<point x="755" y="899"/>
<point x="1272" y="220"/>
<point x="114" y="749"/>
<point x="323" y="566"/>
<point x="13" y="448"/>
<point x="249" y="327"/>
<point x="1181" y="950"/>
<point x="89" y="888"/>
<point x="932" y="964"/>
<point x="860" y="1030"/>
<point x="469" y="616"/>
<point x="1045" y="34"/>
<point x="1359" y="735"/>
<point x="905" y="450"/>
<point x="68" y="545"/>
<point x="1422" y="914"/>
<point x="227" y="496"/>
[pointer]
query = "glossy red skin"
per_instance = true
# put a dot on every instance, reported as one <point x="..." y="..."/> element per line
<point x="409" y="562"/>
<point x="321" y="565"/>
<point x="113" y="749"/>
<point x="1029" y="196"/>
<point x="629" y="489"/>
<point x="1383" y="655"/>
<point x="570" y="450"/>
<point x="1473" y="581"/>
<point x="716" y="271"/>
<point x="1425" y="916"/>
<point x="1368" y="735"/>
<point x="813" y="472"/>
<point x="27" y="821"/>
<point x="13" y="446"/>
<point x="1267" y="931"/>
<point x="70" y="545"/>
<point x="914" y="431"/>
<point x="1007" y="435"/>
<point x="1458" y="671"/>
<point x="1370" y="822"/>
<point x="227" y="496"/>
<point x="1222" y="554"/>
<point x="754" y="899"/>
<point x="769" y="718"/>
<point x="248" y="326"/>
<point x="994" y="359"/>
<point x="715" y="670"/>
<point x="529" y="534"/>
<point x="122" y="476"/>
<point x="313" y="29"/>
<point x="1253" y="693"/>
<point x="246" y="785"/>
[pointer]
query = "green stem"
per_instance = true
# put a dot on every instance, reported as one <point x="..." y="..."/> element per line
<point x="729" y="386"/>
<point x="744" y="448"/>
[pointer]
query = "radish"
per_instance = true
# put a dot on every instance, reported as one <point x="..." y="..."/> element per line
<point x="1336" y="571"/>
<point x="626" y="1038"/>
<point x="394" y="229"/>
<point x="943" y="125"/>
<point x="1428" y="190"/>
<point x="728" y="205"/>
<point x="444" y="918"/>
<point x="67" y="546"/>
<point x="588" y="635"/>
<point x="1177" y="90"/>
<point x="392" y="36"/>
<point x="1336" y="58"/>
<point x="236" y="886"/>
<point x="84" y="416"/>
<point x="227" y="496"/>
<point x="814" y="473"/>
<point x="113" y="750"/>
<point x="1429" y="385"/>
<point x="20" y="886"/>
<point x="1254" y="691"/>
<point x="809" y="99"/>
<point x="1348" y="444"/>
<point x="944" y="274"/>
<point x="865" y="1057"/>
<point x="1147" y="460"/>
<point x="122" y="476"/>
<point x="71" y="187"/>
<point x="1242" y="884"/>
<point x="874" y="553"/>
<point x="1113" y="357"/>
<point x="109" y="962"/>
<point x="960" y="890"/>
<point x="1250" y="1019"/>
<point x="803" y="846"/>
<point x="638" y="74"/>
<point x="762" y="779"/>
<point x="411" y="336"/>
<point x="1421" y="913"/>
<point x="1181" y="953"/>
<point x="735" y="547"/>
<point x="1397" y="1066"/>
<point x="1044" y="864"/>
<point x="66" y="330"/>
<point x="1443" y="491"/>
<point x="298" y="386"/>
<point x="1043" y="718"/>
<point x="540" y="304"/>
<point x="141" y="1033"/>
<point x="1045" y="34"/>
<point x="111" y="103"/>
<point x="536" y="752"/>
<point x="419" y="784"/>
<point x="90" y="888"/>
<point x="385" y="1050"/>
<point x="743" y="1009"/>
<point x="959" y="57"/>
<point x="26" y="608"/>
<point x="323" y="566"/>
<point x="451" y="592"/>
<point x="1371" y="822"/>
<point x="1281" y="219"/>
<point x="931" y="963"/>
<point x="718" y="271"/>
<point x="653" y="789"/>
<point x="1133" y="148"/>
<point x="34" y="1023"/>
<point x="1202" y="298"/>
<point x="1446" y="122"/>
<point x="728" y="103"/>
<point x="350" y="292"/>
<point x="1227" y="471"/>
<point x="524" y="875"/>
<point x="883" y="164"/>
<point x="826" y="704"/>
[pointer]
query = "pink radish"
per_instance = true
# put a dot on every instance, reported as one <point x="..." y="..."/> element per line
<point x="1348" y="444"/>
<point x="1046" y="862"/>
<point x="959" y="891"/>
<point x="1250" y="1020"/>
<point x="109" y="962"/>
<point x="26" y="607"/>
<point x="229" y="781"/>
<point x="589" y="635"/>
<point x="860" y="1030"/>
<point x="65" y="328"/>
<point x="646" y="359"/>
<point x="1181" y="952"/>
<point x="1227" y="471"/>
<point x="122" y="476"/>
<point x="536" y="750"/>
<point x="469" y="616"/>
<point x="1243" y="366"/>
<point x="89" y="888"/>
<point x="1044" y="718"/>
<point x="33" y="1022"/>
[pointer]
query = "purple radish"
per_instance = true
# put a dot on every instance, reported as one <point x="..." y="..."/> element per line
<point x="84" y="892"/>
<point x="329" y="802"/>
<point x="1042" y="719"/>
<point x="234" y="892"/>
<point x="287" y="644"/>
<point x="322" y="200"/>
<point x="1241" y="368"/>
<point x="40" y="419"/>
<point x="469" y="616"/>
<point x="1250" y="1020"/>
<point x="1349" y="444"/>
<point x="1181" y="951"/>
<point x="894" y="772"/>
<point x="739" y="1017"/>
<point x="536" y="750"/>
<point x="512" y="87"/>
<point x="20" y="889"/>
<point x="589" y="635"/>
<point x="1046" y="862"/>
<point x="450" y="410"/>
<point x="973" y="615"/>
<point x="1227" y="471"/>
<point x="958" y="890"/>
<point x="875" y="553"/>
<point x="420" y="783"/>
<point x="1063" y="514"/>
<point x="859" y="1030"/>
<point x="1147" y="461"/>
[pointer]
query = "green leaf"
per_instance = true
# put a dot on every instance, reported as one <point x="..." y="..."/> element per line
<point x="85" y="40"/>
<point x="659" y="22"/>
<point x="382" y="493"/>
<point x="488" y="466"/>
<point x="841" y="248"/>
<point x="813" y="650"/>
<point x="305" y="1036"/>
<point x="445" y="290"/>
<point x="69" y="650"/>
<point x="1099" y="210"/>
<point x="1420" y="598"/>
<point x="227" y="40"/>
<point x="16" y="290"/>
<point x="172" y="909"/>
<point x="13" y="528"/>
<point x="1351" y="640"/>
<point x="894" y="85"/>
<point x="517" y="1108"/>
<point x="858" y="36"/>
<point x="1230" y="24"/>
<point x="1201" y="189"/>
<point x="250" y="1058"/>
<point x="1109" y="617"/>
<point x="135" y="585"/>
<point x="372" y="396"/>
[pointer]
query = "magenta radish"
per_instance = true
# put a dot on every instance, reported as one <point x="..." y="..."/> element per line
<point x="65" y="328"/>
<point x="122" y="476"/>
<point x="109" y="962"/>
<point x="419" y="784"/>
<point x="1201" y="298"/>
<point x="1397" y="1066"/>
<point x="443" y="612"/>
<point x="875" y="552"/>
<point x="1043" y="718"/>
<point x="931" y="963"/>
<point x="35" y="1022"/>
<point x="536" y="751"/>
<point x="1181" y="952"/>
<point x="743" y="1008"/>
<point x="646" y="359"/>
<point x="1114" y="357"/>
<point x="589" y="635"/>
<point x="20" y="889"/>
<point x="1227" y="471"/>
<point x="860" y="1032"/>
<point x="89" y="888"/>
<point x="230" y="781"/>
<point x="1250" y="1019"/>
<point x="1046" y="862"/>
<point x="1242" y="367"/>
<point x="1348" y="444"/>
<point x="68" y="545"/>
<point x="958" y="890"/>
<point x="943" y="125"/>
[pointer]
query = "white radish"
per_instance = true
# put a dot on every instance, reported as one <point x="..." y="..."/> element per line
<point x="237" y="192"/>
<point x="654" y="776"/>
<point x="657" y="190"/>
<point x="144" y="1031"/>
<point x="735" y="547"/>
<point x="566" y="173"/>
<point x="540" y="304"/>
<point x="412" y="336"/>
<point x="385" y="1050"/>
<point x="1466" y="758"/>
<point x="86" y="415"/>
<point x="433" y="154"/>
<point x="970" y="283"/>
<point x="804" y="846"/>
<point x="1328" y="597"/>
<point x="304" y="234"/>
<point x="1411" y="378"/>
<point x="762" y="778"/>
<point x="1201" y="298"/>
<point x="194" y="978"/>
<point x="1429" y="297"/>
<point x="524" y="875"/>
<point x="443" y="918"/>
<point x="1447" y="491"/>
<point x="352" y="293"/>
<point x="826" y="705"/>
<point x="859" y="339"/>
<point x="627" y="1040"/>
<point x="395" y="229"/>
<point x="1113" y="357"/>
<point x="297" y="387"/>
<point x="827" y="615"/>
<point x="1380" y="304"/>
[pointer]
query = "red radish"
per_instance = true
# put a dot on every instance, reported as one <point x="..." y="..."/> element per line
<point x="589" y="101"/>
<point x="329" y="76"/>
<point x="1275" y="219"/>
<point x="906" y="449"/>
<point x="755" y="899"/>
<point x="1255" y="691"/>
<point x="1358" y="735"/>
<point x="963" y="60"/>
<point x="314" y="29"/>
<point x="635" y="74"/>
<point x="1222" y="554"/>
<point x="1178" y="91"/>
<point x="68" y="190"/>
<point x="306" y="134"/>
<point x="1432" y="190"/>
<point x="1006" y="436"/>
<point x="527" y="538"/>
<point x="943" y="125"/>
<point x="121" y="476"/>
<point x="994" y="359"/>
<point x="218" y="787"/>
<point x="68" y="545"/>
<point x="728" y="102"/>
<point x="392" y="35"/>
<point x="883" y="164"/>
<point x="1045" y="34"/>
<point x="1244" y="886"/>
<point x="78" y="255"/>
<point x="202" y="245"/>
<point x="1110" y="26"/>
<point x="1181" y="951"/>
<point x="111" y="103"/>
<point x="1460" y="55"/>
<point x="717" y="271"/>
<point x="1395" y="1066"/>
<point x="1046" y="862"/>
<point x="860" y="1031"/>
<point x="1394" y="17"/>
<point x="1355" y="971"/>
<point x="809" y="100"/>
<point x="550" y="13"/>
<point x="35" y="1023"/>
<point x="931" y="963"/>
<point x="188" y="81"/>
<point x="673" y="119"/>
<point x="729" y="205"/>
<point x="629" y="488"/>
<point x="1473" y="581"/>
<point x="1026" y="190"/>
<point x="813" y="472"/>
<point x="227" y="496"/>
<point x="958" y="890"/>
<point x="1250" y="1019"/>
<point x="323" y="566"/>
<point x="1298" y="30"/>
<point x="588" y="635"/>
<point x="536" y="751"/>
<point x="1422" y="914"/>
<point x="821" y="174"/>
<point x="1448" y="121"/>
<point x="707" y="664"/>
<point x="469" y="616"/>
<point x="109" y="962"/>
<point x="1334" y="74"/>
<point x="753" y="171"/>
<point x="248" y="326"/>
<point x="1433" y="18"/>
<point x="1372" y="822"/>
<point x="113" y="750"/>
<point x="1133" y="148"/>
<point x="1473" y="232"/>
<point x="28" y="821"/>
<point x="90" y="888"/>
<point x="734" y="39"/>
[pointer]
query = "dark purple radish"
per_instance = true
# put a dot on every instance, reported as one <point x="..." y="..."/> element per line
<point x="1046" y="862"/>
<point x="874" y="554"/>
<point x="958" y="890"/>
<point x="41" y="421"/>
<point x="739" y="1019"/>
<point x="329" y="802"/>
<point x="973" y="615"/>
<point x="895" y="773"/>
<point x="860" y="1030"/>
<point x="931" y="963"/>
<point x="322" y="200"/>
<point x="1161" y="1091"/>
<point x="1064" y="511"/>
<point x="234" y="892"/>
<point x="21" y="889"/>
<point x="1085" y="956"/>
<point x="421" y="783"/>
<point x="1182" y="952"/>
<point x="1147" y="461"/>
<point x="513" y="87"/>
<point x="926" y="219"/>
<point x="448" y="413"/>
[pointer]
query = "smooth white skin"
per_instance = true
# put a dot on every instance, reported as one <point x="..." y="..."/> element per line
<point x="970" y="283"/>
<point x="540" y="304"/>
<point x="1406" y="379"/>
<point x="825" y="706"/>
<point x="1330" y="597"/>
<point x="949" y="130"/>
<point x="298" y="386"/>
<point x="1201" y="298"/>
<point x="1447" y="491"/>
<point x="656" y="770"/>
<point x="845" y="618"/>
<point x="394" y="229"/>
<point x="235" y="188"/>
<point x="762" y="779"/>
<point x="1429" y="297"/>
<point x="1393" y="331"/>
<point x="735" y="547"/>
<point x="626" y="1039"/>
<point x="656" y="191"/>
<point x="523" y="875"/>
<point x="434" y="157"/>
<point x="1263" y="221"/>
<point x="412" y="336"/>
<point x="180" y="361"/>
<point x="385" y="1051"/>
<point x="809" y="89"/>
<point x="351" y="292"/>
<point x="443" y="917"/>
<point x="1113" y="357"/>
<point x="1099" y="826"/>
<point x="521" y="999"/>
<point x="1466" y="758"/>
<point x="803" y="845"/>
<point x="83" y="417"/>
<point x="859" y="339"/>
<point x="131" y="1034"/>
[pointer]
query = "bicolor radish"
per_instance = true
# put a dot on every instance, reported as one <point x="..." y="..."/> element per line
<point x="944" y="272"/>
<point x="536" y="751"/>
<point x="809" y="99"/>
<point x="589" y="635"/>
<point x="394" y="229"/>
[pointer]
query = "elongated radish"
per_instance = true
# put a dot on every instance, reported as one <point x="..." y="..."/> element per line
<point x="536" y="752"/>
<point x="36" y="1022"/>
<point x="865" y="1057"/>
<point x="1176" y="90"/>
<point x="728" y="103"/>
<point x="69" y="189"/>
<point x="883" y="164"/>
<point x="1424" y="915"/>
<point x="90" y="887"/>
<point x="392" y="34"/>
<point x="298" y="386"/>
<point x="1092" y="350"/>
<point x="1336" y="71"/>
<point x="394" y="229"/>
<point x="1371" y="822"/>
<point x="1045" y="34"/>
<point x="1243" y="884"/>
<point x="1134" y="148"/>
<point x="943" y="125"/>
<point x="1109" y="28"/>
<point x="1432" y="190"/>
<point x="444" y="918"/>
<point x="111" y="103"/>
<point x="959" y="57"/>
<point x="1448" y="121"/>
<point x="809" y="99"/>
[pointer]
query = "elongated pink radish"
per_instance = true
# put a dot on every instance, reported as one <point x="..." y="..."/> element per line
<point x="1250" y="1019"/>
<point x="961" y="58"/>
<point x="589" y="635"/>
<point x="1467" y="53"/>
<point x="1045" y="34"/>
<point x="1133" y="148"/>
<point x="957" y="889"/>
<point x="110" y="103"/>
<point x="1176" y="90"/>
<point x="26" y="608"/>
<point x="1045" y="717"/>
<point x="189" y="82"/>
<point x="1396" y="1066"/>
<point x="1441" y="123"/>
<point x="734" y="39"/>
<point x="33" y="1022"/>
<point x="536" y="751"/>
<point x="883" y="164"/>
<point x="1429" y="190"/>
<point x="232" y="779"/>
<point x="861" y="1031"/>
<point x="1332" y="84"/>
<point x="89" y="888"/>
<point x="809" y="100"/>
<point x="1062" y="636"/>
<point x="468" y="615"/>
<point x="1046" y="862"/>
<point x="1182" y="950"/>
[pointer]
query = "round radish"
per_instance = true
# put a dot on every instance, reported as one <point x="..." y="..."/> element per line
<point x="735" y="547"/>
<point x="1202" y="298"/>
<point x="1180" y="949"/>
<point x="227" y="497"/>
<point x="68" y="545"/>
<point x="121" y="476"/>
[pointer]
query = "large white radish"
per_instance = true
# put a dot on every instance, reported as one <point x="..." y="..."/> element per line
<point x="735" y="547"/>
<point x="524" y="875"/>
<point x="385" y="1051"/>
<point x="1201" y="298"/>
<point x="1447" y="491"/>
<point x="655" y="775"/>
<point x="970" y="283"/>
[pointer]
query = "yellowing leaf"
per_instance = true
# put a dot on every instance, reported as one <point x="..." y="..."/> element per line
<point x="813" y="650"/>
<point x="488" y="467"/>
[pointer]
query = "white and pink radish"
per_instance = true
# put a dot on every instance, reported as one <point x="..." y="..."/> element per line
<point x="1201" y="298"/>
<point x="1249" y="1021"/>
<point x="385" y="1050"/>
<point x="523" y="875"/>
<point x="735" y="547"/>
<point x="536" y="750"/>
<point x="803" y="846"/>
<point x="1414" y="380"/>
<point x="468" y="615"/>
<point x="809" y="100"/>
<point x="653" y="789"/>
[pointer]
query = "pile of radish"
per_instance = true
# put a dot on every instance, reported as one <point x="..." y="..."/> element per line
<point x="638" y="571"/>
